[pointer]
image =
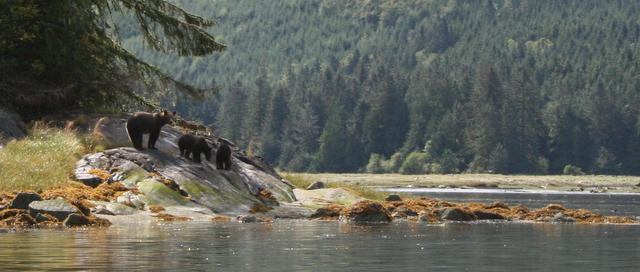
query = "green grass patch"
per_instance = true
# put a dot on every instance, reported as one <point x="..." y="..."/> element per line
<point x="44" y="160"/>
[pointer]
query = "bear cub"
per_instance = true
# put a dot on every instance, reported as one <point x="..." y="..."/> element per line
<point x="141" y="123"/>
<point x="191" y="144"/>
<point x="223" y="157"/>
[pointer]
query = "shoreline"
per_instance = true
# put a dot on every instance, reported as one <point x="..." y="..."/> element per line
<point x="547" y="183"/>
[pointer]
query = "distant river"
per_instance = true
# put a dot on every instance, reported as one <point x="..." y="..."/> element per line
<point x="301" y="245"/>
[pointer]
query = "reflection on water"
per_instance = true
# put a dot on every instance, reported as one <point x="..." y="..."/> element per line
<point x="329" y="246"/>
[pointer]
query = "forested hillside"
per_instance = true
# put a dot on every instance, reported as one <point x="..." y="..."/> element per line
<point x="415" y="86"/>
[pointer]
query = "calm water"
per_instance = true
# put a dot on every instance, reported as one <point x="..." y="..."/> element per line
<point x="330" y="246"/>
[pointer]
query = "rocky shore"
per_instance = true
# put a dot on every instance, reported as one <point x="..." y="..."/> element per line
<point x="121" y="185"/>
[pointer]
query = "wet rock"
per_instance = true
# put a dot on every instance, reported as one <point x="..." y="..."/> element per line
<point x="59" y="208"/>
<point x="250" y="219"/>
<point x="406" y="211"/>
<point x="455" y="214"/>
<point x="129" y="198"/>
<point x="393" y="198"/>
<point x="22" y="200"/>
<point x="327" y="212"/>
<point x="113" y="208"/>
<point x="366" y="211"/>
<point x="482" y="215"/>
<point x="316" y="185"/>
<point x="77" y="220"/>
<point x="41" y="218"/>
<point x="561" y="218"/>
<point x="89" y="180"/>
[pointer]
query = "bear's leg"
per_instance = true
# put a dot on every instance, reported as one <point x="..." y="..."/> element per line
<point x="153" y="137"/>
<point x="136" y="140"/>
<point x="196" y="156"/>
<point x="187" y="153"/>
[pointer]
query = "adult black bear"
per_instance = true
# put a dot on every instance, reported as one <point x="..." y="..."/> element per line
<point x="147" y="123"/>
<point x="223" y="157"/>
<point x="189" y="143"/>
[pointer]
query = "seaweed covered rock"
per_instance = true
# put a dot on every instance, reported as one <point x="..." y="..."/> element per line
<point x="366" y="211"/>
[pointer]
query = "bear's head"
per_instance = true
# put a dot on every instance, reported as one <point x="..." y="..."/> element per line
<point x="166" y="117"/>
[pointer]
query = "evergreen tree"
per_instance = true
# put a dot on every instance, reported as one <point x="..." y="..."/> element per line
<point x="231" y="112"/>
<point x="65" y="52"/>
<point x="486" y="131"/>
<point x="522" y="120"/>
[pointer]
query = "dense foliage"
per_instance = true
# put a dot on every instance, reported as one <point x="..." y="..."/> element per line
<point x="64" y="54"/>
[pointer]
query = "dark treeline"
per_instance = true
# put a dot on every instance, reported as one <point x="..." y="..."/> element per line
<point x="512" y="86"/>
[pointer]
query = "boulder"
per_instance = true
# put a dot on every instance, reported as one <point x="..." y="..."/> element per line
<point x="22" y="200"/>
<point x="89" y="180"/>
<point x="59" y="208"/>
<point x="11" y="126"/>
<point x="393" y="198"/>
<point x="366" y="211"/>
<point x="455" y="214"/>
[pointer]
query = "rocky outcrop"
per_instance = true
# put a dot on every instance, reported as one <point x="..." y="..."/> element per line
<point x="168" y="180"/>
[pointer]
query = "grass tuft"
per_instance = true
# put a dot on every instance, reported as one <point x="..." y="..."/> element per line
<point x="43" y="160"/>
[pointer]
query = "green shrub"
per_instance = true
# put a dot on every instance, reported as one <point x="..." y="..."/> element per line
<point x="572" y="170"/>
<point x="415" y="164"/>
<point x="448" y="163"/>
<point x="375" y="164"/>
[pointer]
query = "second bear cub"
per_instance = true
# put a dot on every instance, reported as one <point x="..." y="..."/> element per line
<point x="189" y="144"/>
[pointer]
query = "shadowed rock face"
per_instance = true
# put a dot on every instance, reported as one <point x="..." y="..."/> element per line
<point x="209" y="189"/>
<point x="11" y="126"/>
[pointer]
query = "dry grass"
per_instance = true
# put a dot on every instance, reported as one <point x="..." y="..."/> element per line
<point x="41" y="161"/>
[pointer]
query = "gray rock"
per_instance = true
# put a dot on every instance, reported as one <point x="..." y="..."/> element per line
<point x="11" y="126"/>
<point x="393" y="198"/>
<point x="316" y="185"/>
<point x="22" y="200"/>
<point x="88" y="179"/>
<point x="452" y="214"/>
<point x="59" y="208"/>
<point x="561" y="218"/>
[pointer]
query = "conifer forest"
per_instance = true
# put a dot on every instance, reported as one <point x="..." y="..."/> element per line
<point x="410" y="86"/>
